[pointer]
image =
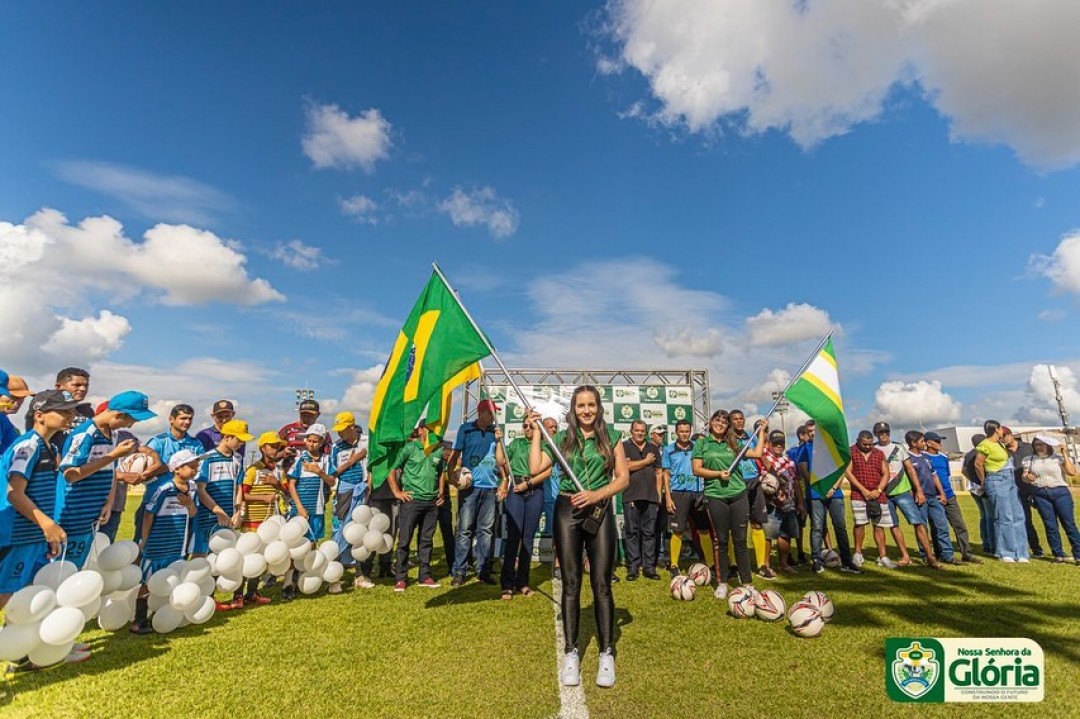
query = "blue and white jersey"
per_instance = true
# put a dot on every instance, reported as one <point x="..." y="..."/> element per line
<point x="748" y="467"/>
<point x="33" y="458"/>
<point x="8" y="433"/>
<point x="678" y="461"/>
<point x="310" y="487"/>
<point x="166" y="446"/>
<point x="169" y="532"/>
<point x="220" y="476"/>
<point x="340" y="453"/>
<point x="84" y="500"/>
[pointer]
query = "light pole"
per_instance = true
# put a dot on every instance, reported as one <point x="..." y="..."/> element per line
<point x="303" y="394"/>
<point x="782" y="406"/>
<point x="1062" y="412"/>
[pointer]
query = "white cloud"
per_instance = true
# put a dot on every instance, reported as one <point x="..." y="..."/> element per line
<point x="1041" y="405"/>
<point x="88" y="338"/>
<point x="794" y="323"/>
<point x="335" y="140"/>
<point x="915" y="403"/>
<point x="690" y="342"/>
<point x="1063" y="267"/>
<point x="361" y="208"/>
<point x="299" y="256"/>
<point x="169" y="198"/>
<point x="481" y="206"/>
<point x="361" y="391"/>
<point x="1002" y="72"/>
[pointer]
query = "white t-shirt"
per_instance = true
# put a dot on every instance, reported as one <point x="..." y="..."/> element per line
<point x="1049" y="471"/>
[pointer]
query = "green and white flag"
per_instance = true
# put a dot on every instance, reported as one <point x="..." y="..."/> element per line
<point x="817" y="392"/>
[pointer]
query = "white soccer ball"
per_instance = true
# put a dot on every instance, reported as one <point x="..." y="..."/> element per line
<point x="254" y="566"/>
<point x="333" y="571"/>
<point x="823" y="603"/>
<point x="185" y="596"/>
<point x="18" y="640"/>
<point x="80" y="589"/>
<point x="61" y="626"/>
<point x="45" y="655"/>
<point x="130" y="577"/>
<point x="362" y="515"/>
<point x="464" y="479"/>
<point x="770" y="606"/>
<point x="222" y="539"/>
<point x="202" y="611"/>
<point x="166" y="620"/>
<point x="682" y="588"/>
<point x="162" y="582"/>
<point x="741" y="602"/>
<point x="700" y="573"/>
<point x="830" y="559"/>
<point x="55" y="572"/>
<point x="229" y="563"/>
<point x="770" y="484"/>
<point x="114" y="614"/>
<point x="134" y="463"/>
<point x="276" y="552"/>
<point x="309" y="583"/>
<point x="268" y="532"/>
<point x="30" y="604"/>
<point x="249" y="543"/>
<point x="360" y="553"/>
<point x="805" y="620"/>
<point x="379" y="523"/>
<point x="330" y="549"/>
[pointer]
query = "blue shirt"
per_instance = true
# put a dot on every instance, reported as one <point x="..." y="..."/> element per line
<point x="33" y="458"/>
<point x="166" y="445"/>
<point x="477" y="447"/>
<point x="84" y="500"/>
<point x="219" y="476"/>
<point x="678" y="461"/>
<point x="310" y="487"/>
<point x="340" y="453"/>
<point x="748" y="467"/>
<point x="8" y="433"/>
<point x="940" y="464"/>
<point x="168" y="534"/>
<point x="805" y="453"/>
<point x="924" y="470"/>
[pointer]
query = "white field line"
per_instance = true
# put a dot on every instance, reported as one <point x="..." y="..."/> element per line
<point x="571" y="699"/>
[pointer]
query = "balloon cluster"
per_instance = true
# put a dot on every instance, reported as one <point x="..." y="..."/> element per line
<point x="368" y="533"/>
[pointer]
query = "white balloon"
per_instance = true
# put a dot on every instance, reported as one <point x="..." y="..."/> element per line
<point x="360" y="553"/>
<point x="362" y="515"/>
<point x="254" y="566"/>
<point x="229" y="562"/>
<point x="114" y="614"/>
<point x="276" y="551"/>
<point x="309" y="583"/>
<point x="293" y="534"/>
<point x="222" y="539"/>
<point x="300" y="522"/>
<point x="212" y="561"/>
<point x="278" y="569"/>
<point x="331" y="549"/>
<point x="202" y="612"/>
<point x="249" y="543"/>
<point x="299" y="552"/>
<point x="61" y="626"/>
<point x="110" y="581"/>
<point x="185" y="596"/>
<point x="373" y="540"/>
<point x="207" y="585"/>
<point x="228" y="584"/>
<point x="333" y="572"/>
<point x="113" y="558"/>
<point x="387" y="544"/>
<point x="275" y="519"/>
<point x="195" y="570"/>
<point x="179" y="566"/>
<point x="45" y="655"/>
<point x="131" y="577"/>
<point x="90" y="610"/>
<point x="80" y="589"/>
<point x="162" y="582"/>
<point x="18" y="640"/>
<point x="315" y="563"/>
<point x="154" y="602"/>
<point x="353" y="532"/>
<point x="54" y="573"/>
<point x="268" y="531"/>
<point x="166" y="620"/>
<point x="29" y="605"/>
<point x="131" y="548"/>
<point x="380" y="523"/>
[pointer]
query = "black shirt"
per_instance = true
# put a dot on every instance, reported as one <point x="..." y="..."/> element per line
<point x="642" y="481"/>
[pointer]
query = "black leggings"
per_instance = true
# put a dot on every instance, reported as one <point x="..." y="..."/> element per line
<point x="730" y="517"/>
<point x="570" y="539"/>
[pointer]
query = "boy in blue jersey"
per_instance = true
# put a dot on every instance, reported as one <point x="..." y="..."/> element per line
<point x="28" y="470"/>
<point x="165" y="527"/>
<point x="87" y="483"/>
<point x="347" y="466"/>
<point x="161" y="448"/>
<point x="309" y="487"/>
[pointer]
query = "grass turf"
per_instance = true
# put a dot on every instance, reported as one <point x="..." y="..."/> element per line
<point x="462" y="652"/>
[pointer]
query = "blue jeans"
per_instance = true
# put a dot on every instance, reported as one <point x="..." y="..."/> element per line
<point x="1010" y="537"/>
<point x="933" y="514"/>
<point x="1056" y="504"/>
<point x="986" y="523"/>
<point x="835" y="508"/>
<point x="522" y="512"/>
<point x="476" y="519"/>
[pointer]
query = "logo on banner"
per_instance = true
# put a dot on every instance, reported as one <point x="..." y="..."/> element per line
<point x="627" y="412"/>
<point x="680" y="413"/>
<point x="916" y="669"/>
<point x="934" y="670"/>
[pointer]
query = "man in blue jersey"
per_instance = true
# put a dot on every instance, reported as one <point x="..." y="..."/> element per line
<point x="474" y="447"/>
<point x="28" y="469"/>
<point x="11" y="400"/>
<point x="161" y="448"/>
<point x="87" y="482"/>
<point x="347" y="466"/>
<point x="683" y="497"/>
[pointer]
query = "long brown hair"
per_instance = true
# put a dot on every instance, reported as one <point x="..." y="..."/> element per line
<point x="572" y="446"/>
<point x="729" y="433"/>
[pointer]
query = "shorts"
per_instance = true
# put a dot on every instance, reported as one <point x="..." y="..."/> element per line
<point x="886" y="520"/>
<point x="19" y="563"/>
<point x="780" y="523"/>
<point x="906" y="503"/>
<point x="149" y="565"/>
<point x="200" y="538"/>
<point x="79" y="546"/>
<point x="685" y="516"/>
<point x="316" y="527"/>
<point x="759" y="508"/>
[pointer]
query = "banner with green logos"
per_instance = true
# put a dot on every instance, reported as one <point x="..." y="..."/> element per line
<point x="936" y="670"/>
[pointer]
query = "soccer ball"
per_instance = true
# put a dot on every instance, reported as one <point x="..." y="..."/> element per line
<point x="770" y="485"/>
<point x="770" y="606"/>
<point x="805" y="620"/>
<point x="700" y="573"/>
<point x="742" y="602"/>
<point x="830" y="559"/>
<point x="821" y="601"/>
<point x="683" y="588"/>
<point x="464" y="479"/>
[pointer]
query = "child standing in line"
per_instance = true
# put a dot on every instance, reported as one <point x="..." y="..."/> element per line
<point x="258" y="500"/>
<point x="309" y="483"/>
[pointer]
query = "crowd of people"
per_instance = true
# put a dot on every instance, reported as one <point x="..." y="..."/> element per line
<point x="723" y="497"/>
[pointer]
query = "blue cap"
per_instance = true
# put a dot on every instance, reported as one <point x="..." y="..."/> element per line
<point x="3" y="383"/>
<point x="933" y="437"/>
<point x="134" y="404"/>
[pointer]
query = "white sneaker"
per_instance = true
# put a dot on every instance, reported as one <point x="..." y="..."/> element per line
<point x="721" y="591"/>
<point x="571" y="670"/>
<point x="362" y="582"/>
<point x="886" y="563"/>
<point x="857" y="559"/>
<point x="334" y="588"/>
<point x="605" y="675"/>
<point x="1023" y="560"/>
<point x="1010" y="560"/>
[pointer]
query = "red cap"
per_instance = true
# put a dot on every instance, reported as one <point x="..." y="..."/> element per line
<point x="487" y="405"/>
<point x="1005" y="430"/>
<point x="101" y="407"/>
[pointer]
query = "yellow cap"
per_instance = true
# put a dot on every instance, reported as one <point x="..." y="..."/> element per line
<point x="343" y="420"/>
<point x="237" y="428"/>
<point x="270" y="438"/>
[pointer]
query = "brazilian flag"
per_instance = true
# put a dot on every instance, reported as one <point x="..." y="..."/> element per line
<point x="438" y="346"/>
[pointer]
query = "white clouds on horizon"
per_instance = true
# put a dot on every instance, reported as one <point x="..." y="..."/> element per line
<point x="298" y="255"/>
<point x="816" y="70"/>
<point x="333" y="139"/>
<point x="915" y="403"/>
<point x="794" y="323"/>
<point x="1062" y="267"/>
<point x="481" y="207"/>
<point x="361" y="208"/>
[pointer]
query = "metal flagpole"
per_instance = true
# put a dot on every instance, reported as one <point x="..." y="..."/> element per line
<point x="521" y="395"/>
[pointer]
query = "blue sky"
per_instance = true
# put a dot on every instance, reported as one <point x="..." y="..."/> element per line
<point x="606" y="188"/>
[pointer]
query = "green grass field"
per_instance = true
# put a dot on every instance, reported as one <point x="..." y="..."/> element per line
<point x="464" y="653"/>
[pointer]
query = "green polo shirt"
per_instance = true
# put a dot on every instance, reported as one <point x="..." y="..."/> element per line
<point x="996" y="455"/>
<point x="718" y="457"/>
<point x="518" y="454"/>
<point x="588" y="465"/>
<point x="419" y="471"/>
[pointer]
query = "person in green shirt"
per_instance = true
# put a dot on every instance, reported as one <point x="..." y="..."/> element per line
<point x="726" y="495"/>
<point x="416" y="479"/>
<point x="522" y="505"/>
<point x="597" y="459"/>
<point x="993" y="465"/>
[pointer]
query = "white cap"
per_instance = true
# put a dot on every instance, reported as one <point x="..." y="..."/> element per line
<point x="184" y="456"/>
<point x="316" y="428"/>
<point x="1048" y="440"/>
